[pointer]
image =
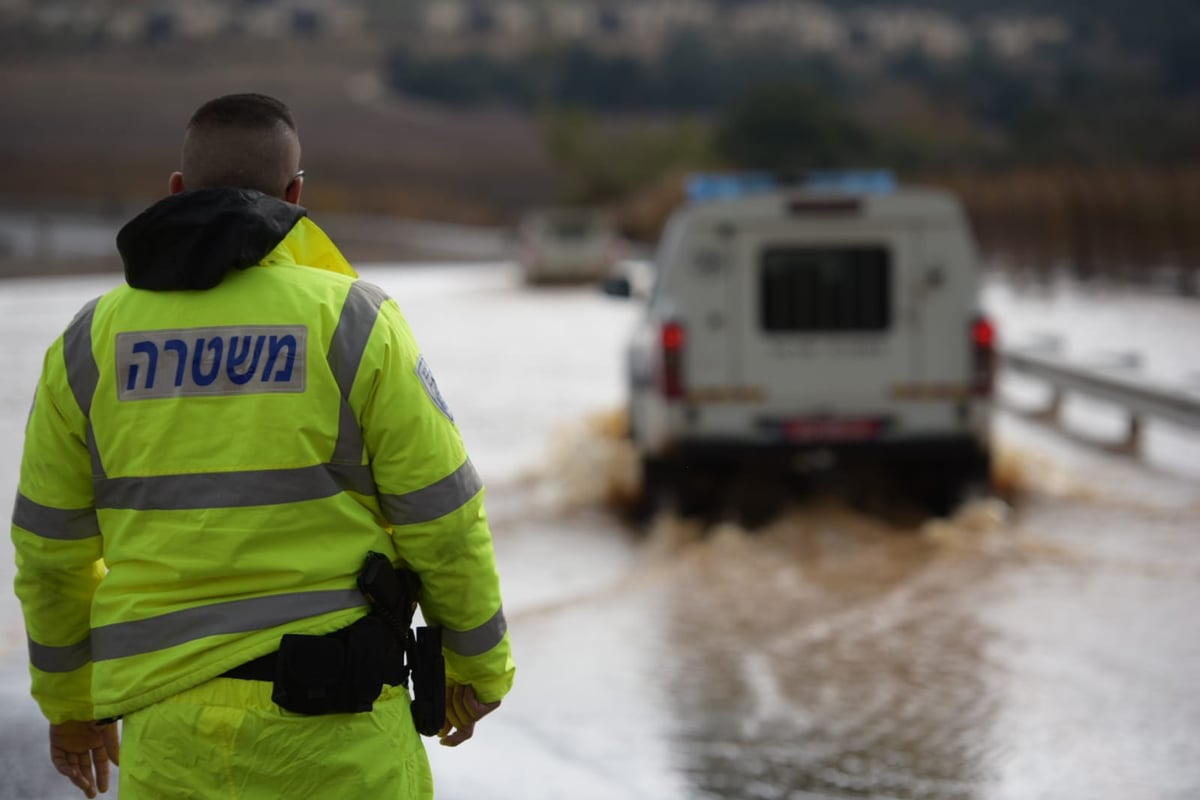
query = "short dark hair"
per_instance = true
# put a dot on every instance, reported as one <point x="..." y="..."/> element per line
<point x="247" y="141"/>
<point x="244" y="111"/>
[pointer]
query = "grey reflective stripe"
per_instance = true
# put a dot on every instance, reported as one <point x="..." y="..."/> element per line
<point x="348" y="449"/>
<point x="123" y="639"/>
<point x="233" y="489"/>
<point x="55" y="523"/>
<point x="353" y="478"/>
<point x="353" y="330"/>
<point x="60" y="659"/>
<point x="97" y="465"/>
<point x="436" y="500"/>
<point x="346" y="348"/>
<point x="477" y="640"/>
<point x="82" y="373"/>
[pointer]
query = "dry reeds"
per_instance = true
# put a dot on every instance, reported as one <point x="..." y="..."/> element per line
<point x="1126" y="224"/>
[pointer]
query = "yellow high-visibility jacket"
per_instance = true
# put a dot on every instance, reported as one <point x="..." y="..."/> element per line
<point x="209" y="459"/>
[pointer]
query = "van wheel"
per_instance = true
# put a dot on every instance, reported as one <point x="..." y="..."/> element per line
<point x="757" y="499"/>
<point x="698" y="492"/>
<point x="686" y="490"/>
<point x="937" y="494"/>
<point x="656" y="494"/>
<point x="944" y="498"/>
<point x="942" y="501"/>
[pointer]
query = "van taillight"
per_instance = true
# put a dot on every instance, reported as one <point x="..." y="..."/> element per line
<point x="672" y="360"/>
<point x="983" y="355"/>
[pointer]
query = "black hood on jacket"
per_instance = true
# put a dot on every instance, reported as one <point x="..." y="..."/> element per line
<point x="191" y="240"/>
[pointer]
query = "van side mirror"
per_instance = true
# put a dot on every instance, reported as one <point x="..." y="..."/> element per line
<point x="617" y="286"/>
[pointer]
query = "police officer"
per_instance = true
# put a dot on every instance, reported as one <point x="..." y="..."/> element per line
<point x="214" y="447"/>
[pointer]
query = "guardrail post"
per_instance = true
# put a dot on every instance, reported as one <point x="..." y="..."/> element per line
<point x="1052" y="409"/>
<point x="1129" y="362"/>
<point x="1133" y="436"/>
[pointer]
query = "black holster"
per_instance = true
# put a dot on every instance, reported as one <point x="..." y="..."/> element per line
<point x="393" y="594"/>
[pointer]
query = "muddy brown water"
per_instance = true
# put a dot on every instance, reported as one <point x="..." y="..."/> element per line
<point x="1046" y="644"/>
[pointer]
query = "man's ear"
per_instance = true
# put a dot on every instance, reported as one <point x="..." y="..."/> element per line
<point x="175" y="184"/>
<point x="292" y="192"/>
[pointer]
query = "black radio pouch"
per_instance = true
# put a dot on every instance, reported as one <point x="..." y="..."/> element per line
<point x="340" y="673"/>
<point x="429" y="681"/>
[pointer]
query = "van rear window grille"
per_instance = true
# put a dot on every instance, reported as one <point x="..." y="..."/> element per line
<point x="811" y="289"/>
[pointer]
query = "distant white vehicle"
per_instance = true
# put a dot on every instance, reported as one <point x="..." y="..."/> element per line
<point x="568" y="245"/>
<point x="806" y="329"/>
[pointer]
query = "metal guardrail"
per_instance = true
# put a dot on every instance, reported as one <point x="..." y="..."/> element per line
<point x="1138" y="396"/>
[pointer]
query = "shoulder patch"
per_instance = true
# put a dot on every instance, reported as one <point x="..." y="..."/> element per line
<point x="431" y="387"/>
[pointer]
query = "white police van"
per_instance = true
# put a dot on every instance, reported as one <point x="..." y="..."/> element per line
<point x="800" y="330"/>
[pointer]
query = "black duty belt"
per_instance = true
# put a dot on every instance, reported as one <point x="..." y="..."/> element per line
<point x="344" y="671"/>
<point x="260" y="669"/>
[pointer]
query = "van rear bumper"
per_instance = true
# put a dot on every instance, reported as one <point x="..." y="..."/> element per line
<point x="963" y="455"/>
<point x="935" y="473"/>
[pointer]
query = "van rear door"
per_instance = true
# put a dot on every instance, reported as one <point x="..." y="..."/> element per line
<point x="826" y="326"/>
<point x="703" y="283"/>
<point x="943" y="287"/>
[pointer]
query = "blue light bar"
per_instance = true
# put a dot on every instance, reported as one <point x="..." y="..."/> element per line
<point x="870" y="181"/>
<point x="726" y="185"/>
<point x="722" y="186"/>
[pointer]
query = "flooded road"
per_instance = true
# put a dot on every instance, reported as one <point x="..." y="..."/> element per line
<point x="1041" y="645"/>
<point x="838" y="658"/>
<point x="1044" y="649"/>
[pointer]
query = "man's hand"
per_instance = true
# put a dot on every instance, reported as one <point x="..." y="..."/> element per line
<point x="81" y="751"/>
<point x="463" y="710"/>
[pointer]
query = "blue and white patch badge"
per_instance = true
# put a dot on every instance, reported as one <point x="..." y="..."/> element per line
<point x="215" y="361"/>
<point x="431" y="387"/>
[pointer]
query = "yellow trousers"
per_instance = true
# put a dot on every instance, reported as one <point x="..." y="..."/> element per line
<point x="226" y="739"/>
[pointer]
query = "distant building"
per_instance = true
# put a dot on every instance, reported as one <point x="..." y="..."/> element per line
<point x="514" y="19"/>
<point x="657" y="19"/>
<point x="928" y="32"/>
<point x="811" y="27"/>
<point x="189" y="20"/>
<point x="636" y="26"/>
<point x="15" y="8"/>
<point x="444" y="18"/>
<point x="1016" y="37"/>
